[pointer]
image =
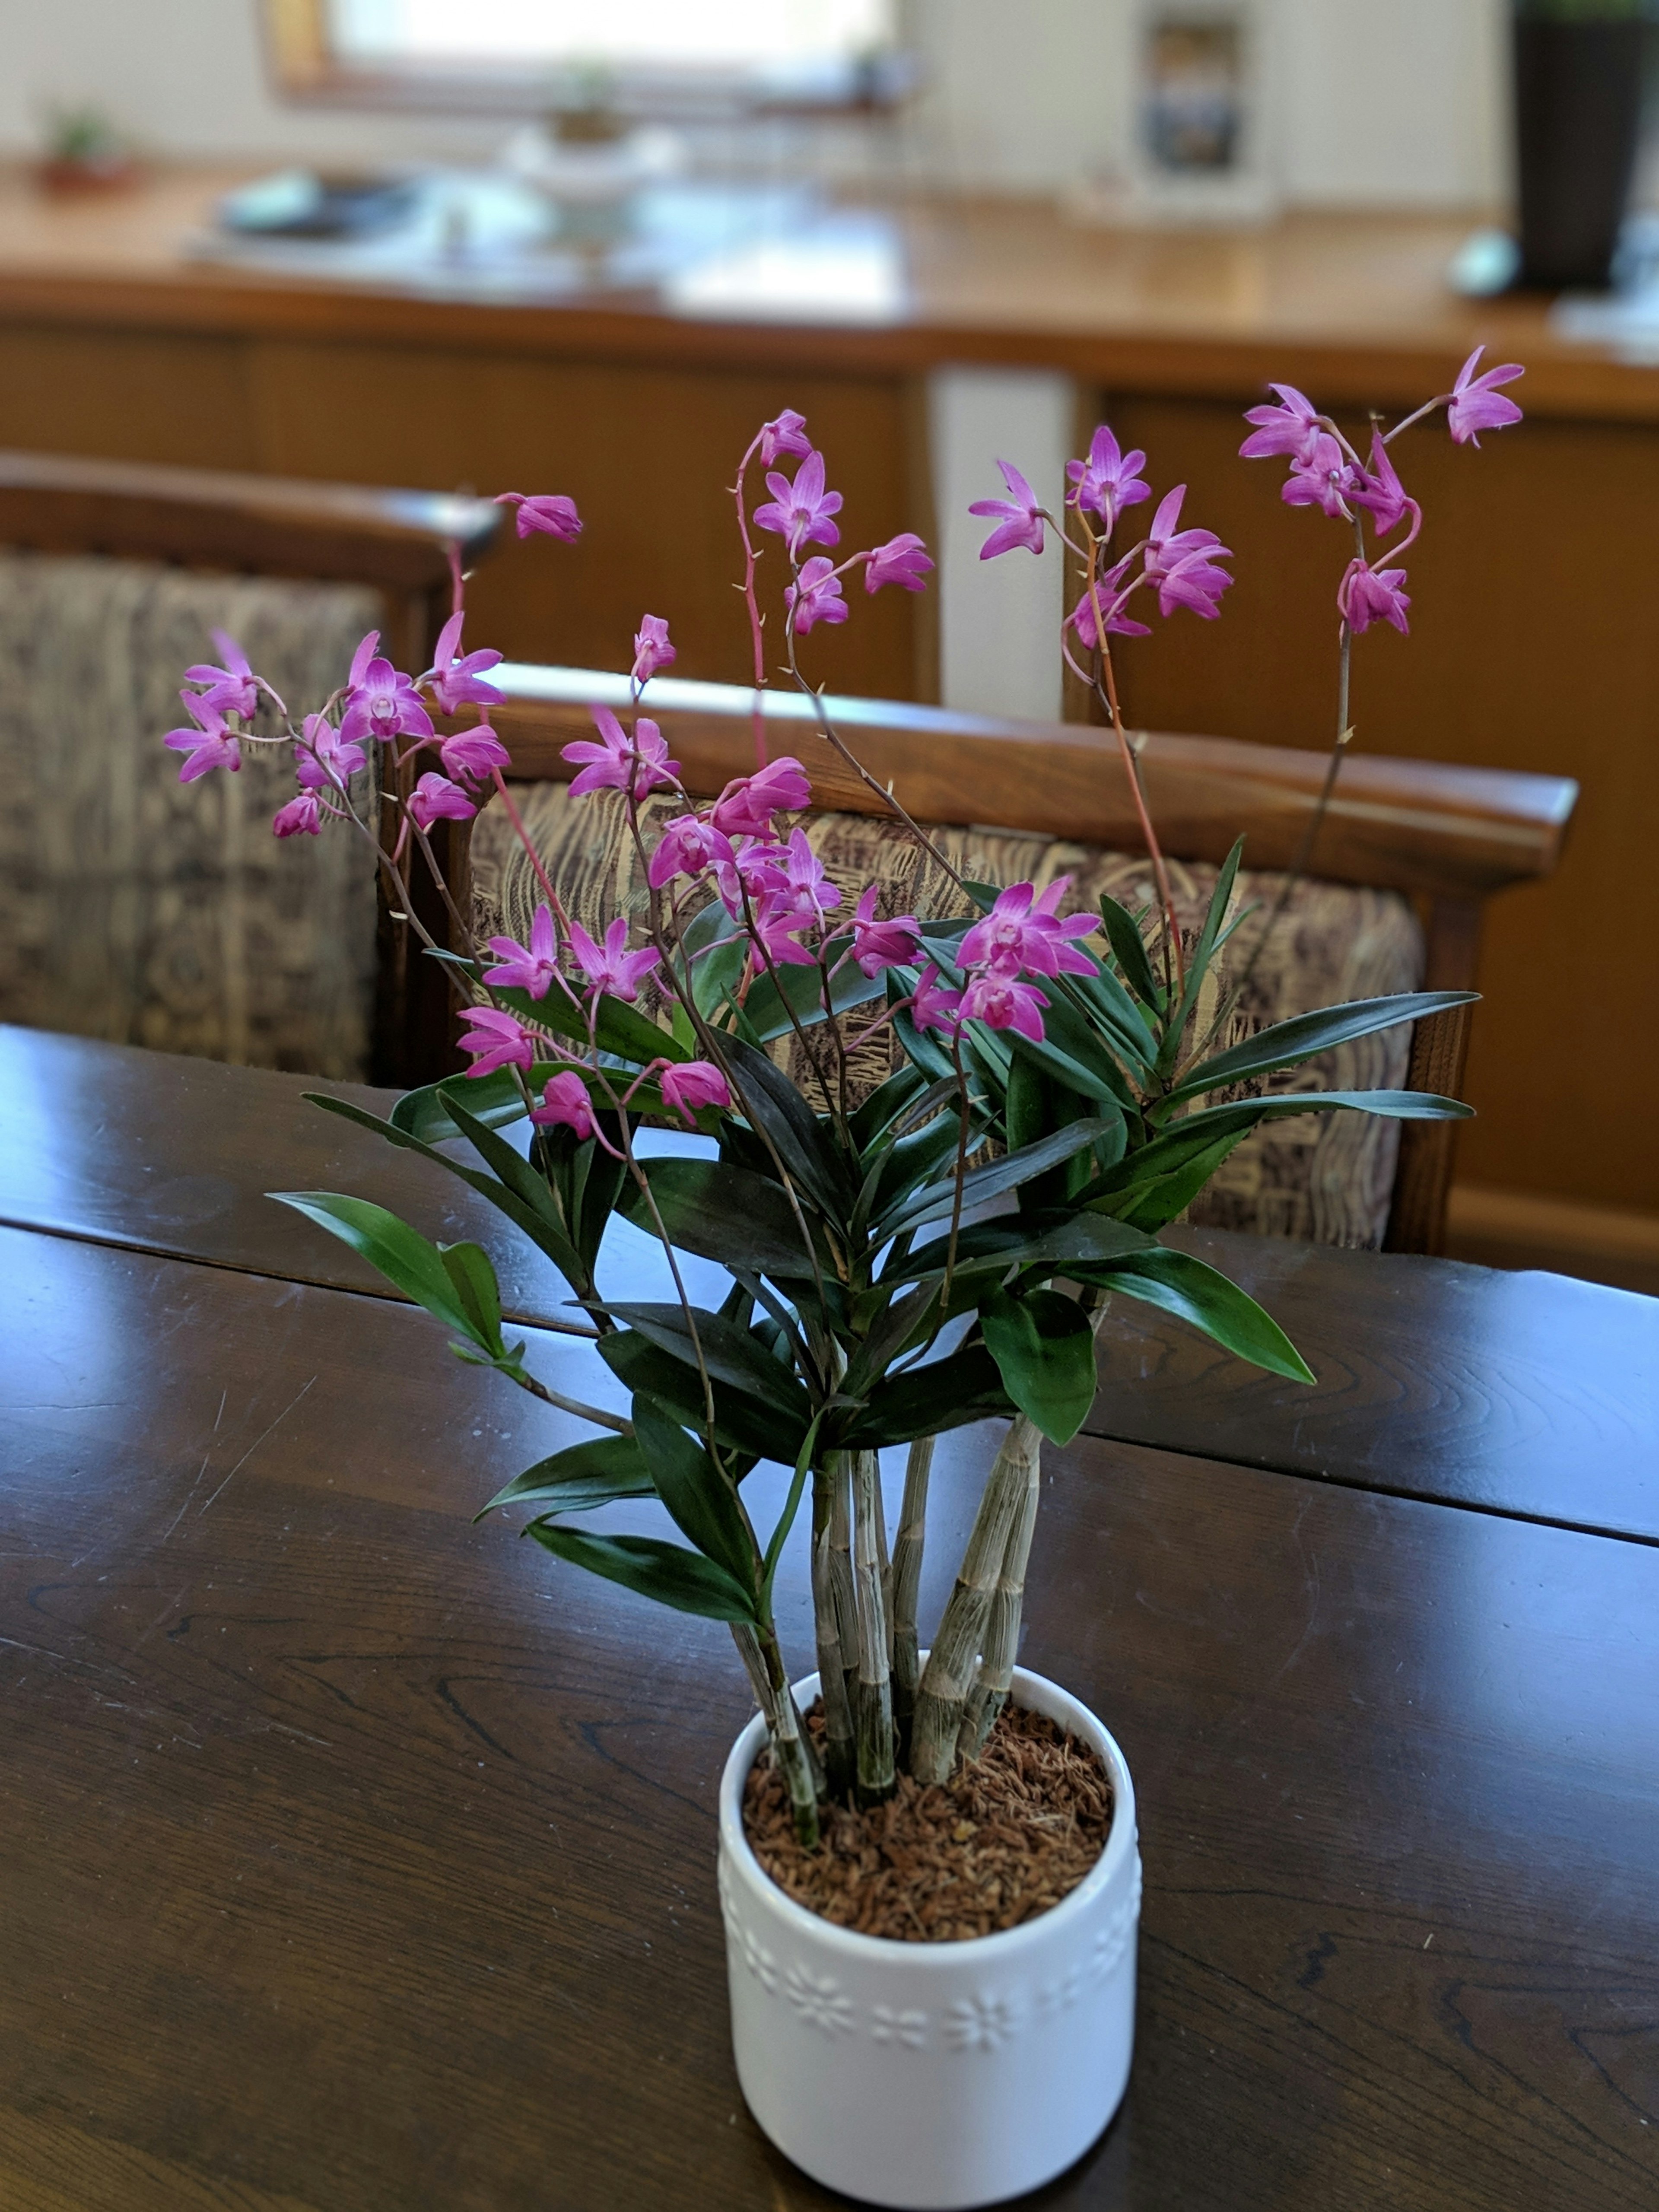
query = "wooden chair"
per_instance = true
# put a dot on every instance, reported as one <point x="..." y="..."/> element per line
<point x="1447" y="837"/>
<point x="396" y="544"/>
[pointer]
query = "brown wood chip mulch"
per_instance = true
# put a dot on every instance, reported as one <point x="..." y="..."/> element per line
<point x="1006" y="1838"/>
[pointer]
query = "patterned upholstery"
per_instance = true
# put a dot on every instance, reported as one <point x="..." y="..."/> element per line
<point x="135" y="909"/>
<point x="1326" y="1178"/>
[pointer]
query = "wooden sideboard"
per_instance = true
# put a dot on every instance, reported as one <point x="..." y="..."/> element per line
<point x="1533" y="642"/>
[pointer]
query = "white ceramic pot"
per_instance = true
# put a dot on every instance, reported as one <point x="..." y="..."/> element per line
<point x="934" y="2076"/>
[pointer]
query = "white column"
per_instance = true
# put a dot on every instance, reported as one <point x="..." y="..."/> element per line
<point x="999" y="620"/>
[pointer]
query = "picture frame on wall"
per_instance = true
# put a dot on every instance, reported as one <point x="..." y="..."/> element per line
<point x="1197" y="120"/>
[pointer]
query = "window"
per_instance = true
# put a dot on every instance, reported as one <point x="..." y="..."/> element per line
<point x="531" y="54"/>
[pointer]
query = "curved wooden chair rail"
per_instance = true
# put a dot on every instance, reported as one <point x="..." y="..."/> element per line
<point x="1447" y="837"/>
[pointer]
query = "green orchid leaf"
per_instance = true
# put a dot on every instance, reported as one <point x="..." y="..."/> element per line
<point x="803" y="1144"/>
<point x="1044" y="1349"/>
<point x="596" y="1472"/>
<point x="619" y="1027"/>
<point x="721" y="1213"/>
<point x="793" y="996"/>
<point x="738" y="1368"/>
<point x="1203" y="1296"/>
<point x="532" y="1218"/>
<point x="496" y="1100"/>
<point x="1129" y="950"/>
<point x="469" y="1269"/>
<point x="1285" y="1043"/>
<point x="994" y="1178"/>
<point x="667" y="1573"/>
<point x="941" y="1393"/>
<point x="703" y="1503"/>
<point x="401" y="1253"/>
<point x="741" y="1422"/>
<point x="1198" y="959"/>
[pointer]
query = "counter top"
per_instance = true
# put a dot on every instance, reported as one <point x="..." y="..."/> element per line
<point x="1354" y="305"/>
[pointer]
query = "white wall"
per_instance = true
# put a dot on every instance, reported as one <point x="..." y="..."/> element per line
<point x="1392" y="104"/>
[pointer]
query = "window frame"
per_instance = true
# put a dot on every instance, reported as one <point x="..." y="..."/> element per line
<point x="308" y="71"/>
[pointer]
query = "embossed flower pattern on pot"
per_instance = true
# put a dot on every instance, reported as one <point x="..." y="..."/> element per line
<point x="982" y="2023"/>
<point x="818" y="2001"/>
<point x="888" y="2026"/>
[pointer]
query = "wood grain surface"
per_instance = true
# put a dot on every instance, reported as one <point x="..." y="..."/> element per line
<point x="359" y="1858"/>
<point x="1524" y="1394"/>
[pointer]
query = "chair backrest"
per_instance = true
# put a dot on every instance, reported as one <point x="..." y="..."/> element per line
<point x="1445" y="837"/>
<point x="134" y="910"/>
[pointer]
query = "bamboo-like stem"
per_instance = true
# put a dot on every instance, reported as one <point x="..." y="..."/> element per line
<point x="907" y="1584"/>
<point x="996" y="1668"/>
<point x="875" y="1699"/>
<point x="838" y="1753"/>
<point x="843" y="1585"/>
<point x="949" y="1671"/>
<point x="763" y="1663"/>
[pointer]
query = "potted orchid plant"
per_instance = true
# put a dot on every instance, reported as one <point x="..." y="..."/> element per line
<point x="922" y="1151"/>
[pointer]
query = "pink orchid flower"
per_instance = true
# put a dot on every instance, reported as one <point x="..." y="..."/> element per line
<point x="934" y="1007"/>
<point x="325" y="762"/>
<point x="233" y="688"/>
<point x="1182" y="563"/>
<point x="495" y="1040"/>
<point x="435" y="798"/>
<point x="1368" y="595"/>
<point x="776" y="924"/>
<point x="817" y="597"/>
<point x="785" y="434"/>
<point x="1109" y="481"/>
<point x="565" y="1104"/>
<point x="300" y="817"/>
<point x="1328" y="491"/>
<point x="878" y="945"/>
<point x="1477" y="404"/>
<point x="208" y="745"/>
<point x="381" y="701"/>
<point x="552" y="513"/>
<point x="689" y="846"/>
<point x="1112" y="602"/>
<point x="804" y="883"/>
<point x="651" y="648"/>
<point x="1378" y="489"/>
<point x="458" y="683"/>
<point x="611" y="967"/>
<point x="1023" y="932"/>
<point x="903" y="560"/>
<point x="636" y="762"/>
<point x="1295" y="427"/>
<point x="801" y="512"/>
<point x="474" y="754"/>
<point x="745" y="807"/>
<point x="693" y="1084"/>
<point x="1021" y="518"/>
<point x="529" y="968"/>
<point x="1002" y="1002"/>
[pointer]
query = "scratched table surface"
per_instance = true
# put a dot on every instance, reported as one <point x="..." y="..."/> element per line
<point x="1522" y="1394"/>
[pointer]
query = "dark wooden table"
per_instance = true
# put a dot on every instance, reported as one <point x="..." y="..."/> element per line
<point x="357" y="1858"/>
<point x="1529" y="1394"/>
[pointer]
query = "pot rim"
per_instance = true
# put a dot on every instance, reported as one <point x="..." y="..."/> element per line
<point x="1004" y="1943"/>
